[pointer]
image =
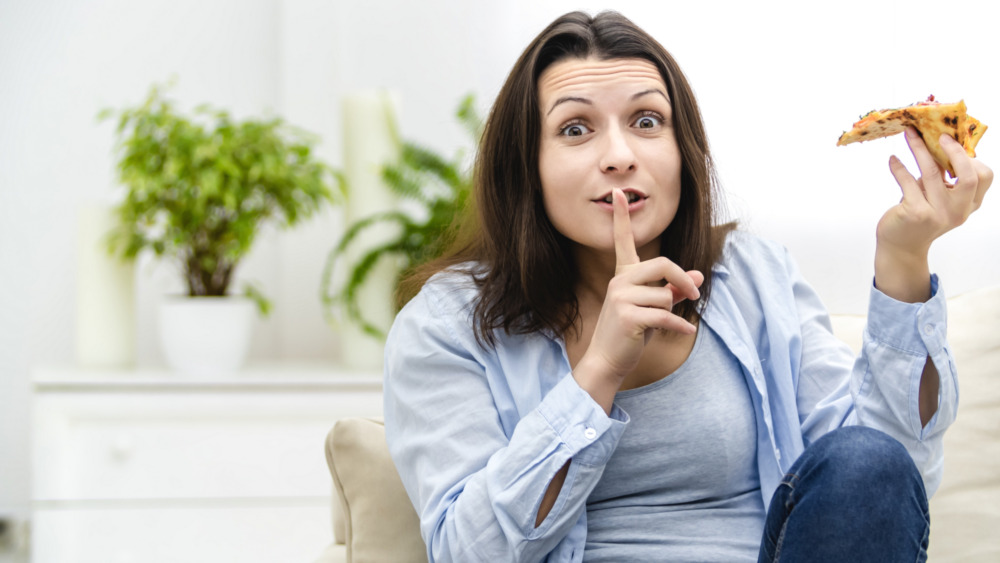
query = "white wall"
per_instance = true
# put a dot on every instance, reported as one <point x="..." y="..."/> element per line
<point x="61" y="62"/>
<point x="777" y="82"/>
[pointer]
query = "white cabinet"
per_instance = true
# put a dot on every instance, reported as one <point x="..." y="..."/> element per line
<point x="147" y="466"/>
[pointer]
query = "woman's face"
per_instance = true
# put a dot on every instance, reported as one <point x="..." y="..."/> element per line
<point x="607" y="124"/>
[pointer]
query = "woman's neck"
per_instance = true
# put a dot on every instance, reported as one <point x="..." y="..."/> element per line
<point x="595" y="272"/>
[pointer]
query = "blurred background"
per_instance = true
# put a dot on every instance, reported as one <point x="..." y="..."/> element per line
<point x="777" y="83"/>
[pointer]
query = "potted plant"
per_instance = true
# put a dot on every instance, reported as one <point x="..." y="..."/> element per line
<point x="198" y="189"/>
<point x="436" y="189"/>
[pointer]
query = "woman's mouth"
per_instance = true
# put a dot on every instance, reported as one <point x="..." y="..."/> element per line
<point x="633" y="196"/>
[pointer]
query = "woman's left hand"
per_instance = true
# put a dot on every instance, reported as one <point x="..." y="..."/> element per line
<point x="930" y="207"/>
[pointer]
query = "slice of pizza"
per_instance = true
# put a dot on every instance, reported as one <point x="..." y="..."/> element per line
<point x="931" y="120"/>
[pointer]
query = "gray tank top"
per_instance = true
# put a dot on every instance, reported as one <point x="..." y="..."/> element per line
<point x="682" y="484"/>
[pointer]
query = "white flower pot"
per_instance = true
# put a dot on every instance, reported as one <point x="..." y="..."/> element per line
<point x="206" y="336"/>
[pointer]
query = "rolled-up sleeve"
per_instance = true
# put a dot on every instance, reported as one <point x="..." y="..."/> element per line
<point x="477" y="489"/>
<point x="898" y="340"/>
<point x="880" y="388"/>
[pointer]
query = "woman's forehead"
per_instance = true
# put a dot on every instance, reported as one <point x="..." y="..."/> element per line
<point x="571" y="73"/>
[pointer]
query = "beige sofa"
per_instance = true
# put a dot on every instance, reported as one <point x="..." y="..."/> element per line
<point x="374" y="521"/>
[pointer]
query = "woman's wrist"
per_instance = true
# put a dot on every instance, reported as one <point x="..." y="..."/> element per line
<point x="594" y="377"/>
<point x="902" y="275"/>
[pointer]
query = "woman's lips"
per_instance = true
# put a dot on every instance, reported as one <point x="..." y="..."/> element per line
<point x="640" y="199"/>
<point x="632" y="207"/>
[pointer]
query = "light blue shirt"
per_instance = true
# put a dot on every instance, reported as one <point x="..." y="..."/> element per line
<point x="478" y="433"/>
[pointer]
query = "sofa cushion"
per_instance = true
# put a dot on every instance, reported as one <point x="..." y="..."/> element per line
<point x="965" y="512"/>
<point x="380" y="523"/>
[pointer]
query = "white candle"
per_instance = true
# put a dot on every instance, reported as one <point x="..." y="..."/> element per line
<point x="105" y="296"/>
<point x="371" y="140"/>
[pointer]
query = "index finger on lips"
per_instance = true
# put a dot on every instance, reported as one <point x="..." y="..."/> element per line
<point x="625" y="253"/>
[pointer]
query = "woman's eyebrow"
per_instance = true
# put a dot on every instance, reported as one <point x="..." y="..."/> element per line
<point x="650" y="91"/>
<point x="590" y="103"/>
<point x="569" y="99"/>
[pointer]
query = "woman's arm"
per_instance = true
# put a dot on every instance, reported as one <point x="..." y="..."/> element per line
<point x="476" y="470"/>
<point x="904" y="382"/>
<point x="878" y="388"/>
<point x="929" y="208"/>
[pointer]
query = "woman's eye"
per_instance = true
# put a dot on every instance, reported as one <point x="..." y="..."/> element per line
<point x="648" y="121"/>
<point x="574" y="130"/>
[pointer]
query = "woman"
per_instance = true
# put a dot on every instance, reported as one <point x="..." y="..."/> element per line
<point x="598" y="373"/>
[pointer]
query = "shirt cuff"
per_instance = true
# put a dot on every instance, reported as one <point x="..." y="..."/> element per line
<point x="589" y="433"/>
<point x="916" y="328"/>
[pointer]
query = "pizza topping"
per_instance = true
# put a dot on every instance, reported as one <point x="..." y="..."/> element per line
<point x="928" y="102"/>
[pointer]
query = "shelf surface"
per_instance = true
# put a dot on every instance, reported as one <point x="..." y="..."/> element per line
<point x="263" y="376"/>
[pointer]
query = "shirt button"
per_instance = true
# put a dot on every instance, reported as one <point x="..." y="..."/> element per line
<point x="777" y="454"/>
<point x="590" y="433"/>
<point x="928" y="329"/>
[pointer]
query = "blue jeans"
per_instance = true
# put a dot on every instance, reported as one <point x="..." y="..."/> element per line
<point x="854" y="495"/>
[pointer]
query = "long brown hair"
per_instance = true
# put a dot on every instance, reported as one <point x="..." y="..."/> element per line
<point x="524" y="267"/>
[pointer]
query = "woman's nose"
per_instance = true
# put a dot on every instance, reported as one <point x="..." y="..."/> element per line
<point x="618" y="155"/>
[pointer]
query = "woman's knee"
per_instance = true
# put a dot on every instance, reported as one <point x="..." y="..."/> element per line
<point x="854" y="491"/>
<point x="860" y="457"/>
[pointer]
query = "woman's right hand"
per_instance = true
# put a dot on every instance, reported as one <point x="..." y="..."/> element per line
<point x="637" y="303"/>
